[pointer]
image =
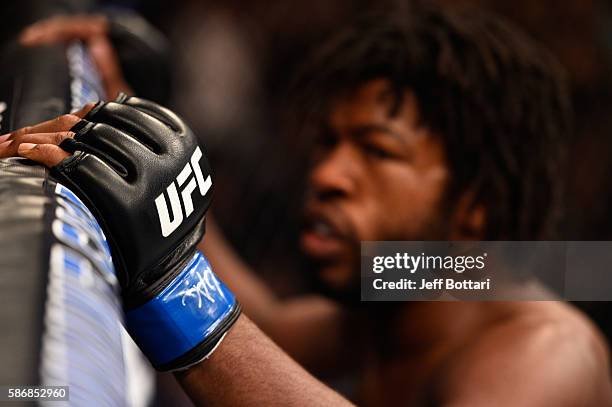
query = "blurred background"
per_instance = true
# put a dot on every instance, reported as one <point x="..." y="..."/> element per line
<point x="231" y="65"/>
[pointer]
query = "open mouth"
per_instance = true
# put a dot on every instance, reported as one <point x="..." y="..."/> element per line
<point x="322" y="237"/>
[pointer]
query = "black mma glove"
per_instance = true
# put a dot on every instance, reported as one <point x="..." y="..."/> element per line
<point x="140" y="170"/>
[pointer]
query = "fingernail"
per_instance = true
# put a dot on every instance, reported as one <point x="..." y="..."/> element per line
<point x="95" y="48"/>
<point x="4" y="137"/>
<point x="25" y="148"/>
<point x="6" y="144"/>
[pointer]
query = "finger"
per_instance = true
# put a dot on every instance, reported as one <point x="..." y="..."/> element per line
<point x="45" y="154"/>
<point x="9" y="148"/>
<point x="107" y="62"/>
<point x="60" y="123"/>
<point x="64" y="28"/>
<point x="84" y="110"/>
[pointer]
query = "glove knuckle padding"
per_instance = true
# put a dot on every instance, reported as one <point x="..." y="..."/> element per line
<point x="161" y="113"/>
<point x="149" y="130"/>
<point x="158" y="190"/>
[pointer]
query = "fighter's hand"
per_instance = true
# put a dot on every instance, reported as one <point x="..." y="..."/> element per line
<point x="40" y="142"/>
<point x="93" y="31"/>
<point x="142" y="172"/>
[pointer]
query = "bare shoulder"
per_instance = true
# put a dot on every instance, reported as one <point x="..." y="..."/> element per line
<point x="545" y="353"/>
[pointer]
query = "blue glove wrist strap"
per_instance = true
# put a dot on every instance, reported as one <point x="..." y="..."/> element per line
<point x="182" y="316"/>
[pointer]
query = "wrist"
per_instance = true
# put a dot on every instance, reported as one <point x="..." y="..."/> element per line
<point x="186" y="320"/>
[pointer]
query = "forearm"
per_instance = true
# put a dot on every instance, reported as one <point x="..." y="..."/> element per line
<point x="249" y="369"/>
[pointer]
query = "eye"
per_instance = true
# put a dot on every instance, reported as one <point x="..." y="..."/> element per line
<point x="325" y="140"/>
<point x="377" y="152"/>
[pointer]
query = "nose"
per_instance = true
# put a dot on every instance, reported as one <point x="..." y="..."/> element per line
<point x="333" y="176"/>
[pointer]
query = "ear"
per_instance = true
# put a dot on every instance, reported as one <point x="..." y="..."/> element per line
<point x="468" y="219"/>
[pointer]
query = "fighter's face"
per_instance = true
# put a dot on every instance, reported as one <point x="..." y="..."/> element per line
<point x="376" y="177"/>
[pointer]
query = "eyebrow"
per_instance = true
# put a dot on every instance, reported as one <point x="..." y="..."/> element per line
<point x="363" y="130"/>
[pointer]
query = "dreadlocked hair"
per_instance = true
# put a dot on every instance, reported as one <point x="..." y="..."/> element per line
<point x="499" y="102"/>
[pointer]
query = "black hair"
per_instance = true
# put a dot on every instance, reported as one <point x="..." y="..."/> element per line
<point x="499" y="102"/>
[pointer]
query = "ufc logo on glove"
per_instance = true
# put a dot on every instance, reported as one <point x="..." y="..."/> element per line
<point x="193" y="166"/>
